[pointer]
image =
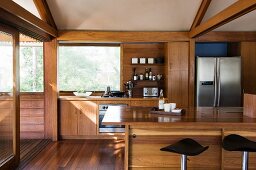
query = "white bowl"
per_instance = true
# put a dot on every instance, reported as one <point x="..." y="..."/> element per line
<point x="86" y="94"/>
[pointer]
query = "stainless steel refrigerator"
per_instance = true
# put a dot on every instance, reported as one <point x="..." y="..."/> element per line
<point x="218" y="81"/>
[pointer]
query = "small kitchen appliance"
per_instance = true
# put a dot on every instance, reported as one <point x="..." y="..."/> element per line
<point x="150" y="92"/>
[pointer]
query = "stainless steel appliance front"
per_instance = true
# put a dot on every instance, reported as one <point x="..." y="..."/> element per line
<point x="219" y="81"/>
<point x="109" y="128"/>
<point x="150" y="92"/>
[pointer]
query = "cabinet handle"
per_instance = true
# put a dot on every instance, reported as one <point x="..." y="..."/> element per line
<point x="134" y="135"/>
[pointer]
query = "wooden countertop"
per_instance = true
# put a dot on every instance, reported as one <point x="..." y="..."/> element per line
<point x="117" y="115"/>
<point x="98" y="98"/>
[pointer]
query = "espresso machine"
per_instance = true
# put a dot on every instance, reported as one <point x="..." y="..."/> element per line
<point x="129" y="86"/>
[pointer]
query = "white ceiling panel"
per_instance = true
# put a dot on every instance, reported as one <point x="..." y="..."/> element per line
<point x="244" y="23"/>
<point x="124" y="15"/>
<point x="29" y="6"/>
<point x="215" y="7"/>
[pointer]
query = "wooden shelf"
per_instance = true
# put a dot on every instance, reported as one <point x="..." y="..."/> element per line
<point x="148" y="81"/>
<point x="148" y="64"/>
<point x="143" y="50"/>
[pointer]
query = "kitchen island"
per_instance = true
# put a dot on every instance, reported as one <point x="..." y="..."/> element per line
<point x="147" y="132"/>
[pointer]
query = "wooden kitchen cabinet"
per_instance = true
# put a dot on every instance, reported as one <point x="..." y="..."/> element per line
<point x="77" y="118"/>
<point x="178" y="69"/>
<point x="145" y="103"/>
<point x="87" y="118"/>
<point x="68" y="118"/>
<point x="248" y="52"/>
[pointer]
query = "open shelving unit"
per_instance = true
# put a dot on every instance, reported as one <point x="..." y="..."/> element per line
<point x="143" y="50"/>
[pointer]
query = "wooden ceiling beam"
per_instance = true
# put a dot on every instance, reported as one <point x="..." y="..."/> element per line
<point x="121" y="36"/>
<point x="227" y="36"/>
<point x="200" y="13"/>
<point x="232" y="12"/>
<point x="44" y="11"/>
<point x="22" y="14"/>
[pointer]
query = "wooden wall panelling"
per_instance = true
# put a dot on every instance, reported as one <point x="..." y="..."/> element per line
<point x="50" y="89"/>
<point x="250" y="105"/>
<point x="178" y="88"/>
<point x="122" y="36"/>
<point x="32" y="116"/>
<point x="145" y="148"/>
<point x="192" y="78"/>
<point x="166" y="69"/>
<point x="178" y="72"/>
<point x="248" y="53"/>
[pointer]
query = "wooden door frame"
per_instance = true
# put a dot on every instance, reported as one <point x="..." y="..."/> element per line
<point x="15" y="159"/>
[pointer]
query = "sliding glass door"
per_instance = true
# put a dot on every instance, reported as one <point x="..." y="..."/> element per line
<point x="9" y="110"/>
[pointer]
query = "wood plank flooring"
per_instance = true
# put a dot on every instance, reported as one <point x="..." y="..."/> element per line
<point x="29" y="148"/>
<point x="80" y="154"/>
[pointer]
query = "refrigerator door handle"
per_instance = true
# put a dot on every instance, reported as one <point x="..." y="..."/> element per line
<point x="215" y="84"/>
<point x="218" y="82"/>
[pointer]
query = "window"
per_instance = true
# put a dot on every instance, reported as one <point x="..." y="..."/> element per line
<point x="31" y="67"/>
<point x="6" y="64"/>
<point x="90" y="68"/>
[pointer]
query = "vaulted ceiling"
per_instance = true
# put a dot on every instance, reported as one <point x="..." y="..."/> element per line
<point x="136" y="15"/>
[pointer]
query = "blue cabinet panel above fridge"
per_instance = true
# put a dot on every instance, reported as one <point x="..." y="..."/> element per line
<point x="211" y="49"/>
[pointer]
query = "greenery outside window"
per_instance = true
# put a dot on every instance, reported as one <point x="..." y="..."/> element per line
<point x="31" y="67"/>
<point x="88" y="68"/>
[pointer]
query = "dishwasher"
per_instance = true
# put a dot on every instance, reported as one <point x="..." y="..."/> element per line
<point x="109" y="128"/>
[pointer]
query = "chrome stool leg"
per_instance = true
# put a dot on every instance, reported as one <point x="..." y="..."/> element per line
<point x="245" y="160"/>
<point x="183" y="162"/>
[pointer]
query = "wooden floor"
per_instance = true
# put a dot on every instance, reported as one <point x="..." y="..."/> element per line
<point x="80" y="154"/>
<point x="29" y="148"/>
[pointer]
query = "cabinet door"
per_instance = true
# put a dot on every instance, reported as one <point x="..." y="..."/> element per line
<point x="178" y="55"/>
<point x="143" y="103"/>
<point x="69" y="111"/>
<point x="248" y="52"/>
<point x="87" y="117"/>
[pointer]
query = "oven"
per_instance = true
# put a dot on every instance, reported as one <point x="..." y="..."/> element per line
<point x="109" y="128"/>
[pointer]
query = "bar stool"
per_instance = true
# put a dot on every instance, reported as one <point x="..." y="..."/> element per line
<point x="235" y="142"/>
<point x="185" y="147"/>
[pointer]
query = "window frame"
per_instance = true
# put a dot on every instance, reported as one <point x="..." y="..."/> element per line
<point x="110" y="44"/>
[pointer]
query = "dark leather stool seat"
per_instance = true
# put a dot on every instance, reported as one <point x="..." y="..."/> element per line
<point x="235" y="142"/>
<point x="185" y="147"/>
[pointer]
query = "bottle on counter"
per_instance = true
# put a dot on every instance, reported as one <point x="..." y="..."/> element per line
<point x="146" y="74"/>
<point x="161" y="100"/>
<point x="135" y="76"/>
<point x="150" y="75"/>
<point x="141" y="76"/>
